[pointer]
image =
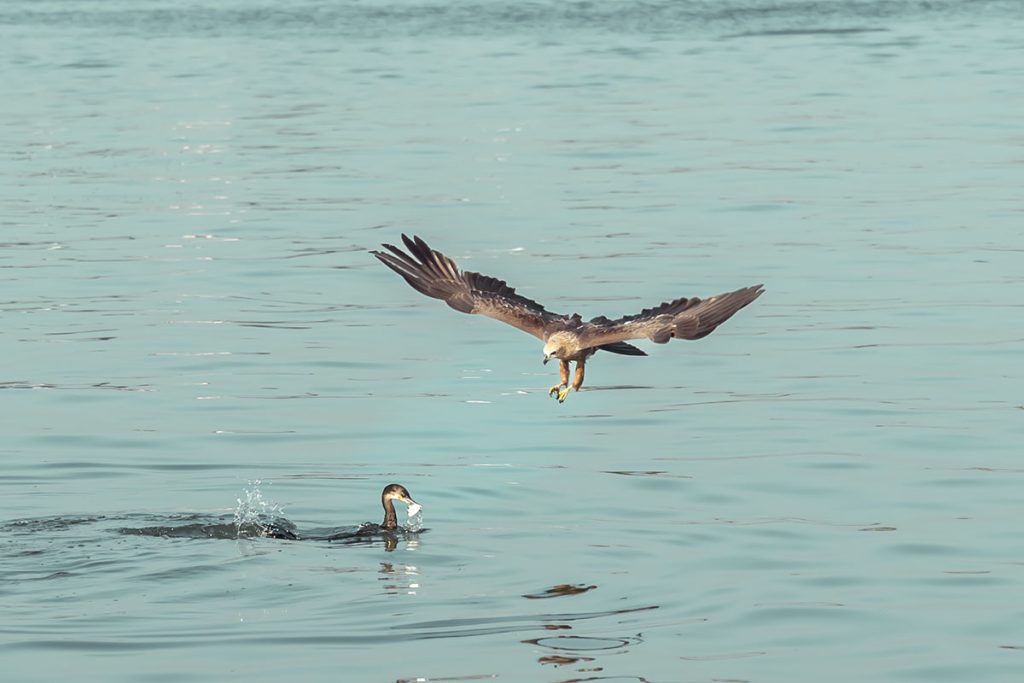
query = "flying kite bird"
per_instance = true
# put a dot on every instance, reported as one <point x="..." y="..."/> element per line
<point x="567" y="338"/>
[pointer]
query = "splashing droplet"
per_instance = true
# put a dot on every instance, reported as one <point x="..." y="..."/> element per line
<point x="254" y="512"/>
<point x="414" y="520"/>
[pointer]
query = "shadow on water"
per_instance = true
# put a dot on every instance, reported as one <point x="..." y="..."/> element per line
<point x="464" y="627"/>
<point x="560" y="590"/>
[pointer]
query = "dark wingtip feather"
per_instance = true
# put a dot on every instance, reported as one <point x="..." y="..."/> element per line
<point x="623" y="348"/>
<point x="438" y="276"/>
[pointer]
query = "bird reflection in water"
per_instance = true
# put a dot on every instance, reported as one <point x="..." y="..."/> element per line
<point x="399" y="579"/>
<point x="568" y="650"/>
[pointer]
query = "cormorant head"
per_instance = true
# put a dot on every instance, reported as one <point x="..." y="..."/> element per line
<point x="397" y="492"/>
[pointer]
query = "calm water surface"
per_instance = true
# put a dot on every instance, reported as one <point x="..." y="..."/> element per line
<point x="827" y="488"/>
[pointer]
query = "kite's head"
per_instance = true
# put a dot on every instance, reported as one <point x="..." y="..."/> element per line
<point x="555" y="347"/>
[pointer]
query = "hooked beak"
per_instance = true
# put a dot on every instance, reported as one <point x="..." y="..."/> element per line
<point x="545" y="361"/>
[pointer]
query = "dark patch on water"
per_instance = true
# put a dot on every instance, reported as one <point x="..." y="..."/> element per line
<point x="375" y="20"/>
<point x="805" y="32"/>
<point x="560" y="590"/>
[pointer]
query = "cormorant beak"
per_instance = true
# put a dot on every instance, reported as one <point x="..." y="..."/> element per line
<point x="414" y="507"/>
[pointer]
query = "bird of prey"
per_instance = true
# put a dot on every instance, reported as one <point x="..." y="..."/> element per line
<point x="568" y="338"/>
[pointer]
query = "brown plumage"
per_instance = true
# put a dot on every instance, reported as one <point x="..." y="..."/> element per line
<point x="567" y="338"/>
<point x="393" y="492"/>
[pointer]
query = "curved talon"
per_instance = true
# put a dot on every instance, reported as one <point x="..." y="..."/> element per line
<point x="557" y="389"/>
<point x="563" y="392"/>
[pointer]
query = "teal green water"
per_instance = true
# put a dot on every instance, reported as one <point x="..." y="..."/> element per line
<point x="826" y="488"/>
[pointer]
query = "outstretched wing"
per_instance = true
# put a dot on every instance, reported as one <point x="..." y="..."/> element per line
<point x="432" y="273"/>
<point x="683" y="318"/>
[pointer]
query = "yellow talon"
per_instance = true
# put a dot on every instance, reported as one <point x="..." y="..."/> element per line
<point x="561" y="390"/>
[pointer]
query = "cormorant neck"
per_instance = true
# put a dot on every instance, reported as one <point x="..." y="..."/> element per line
<point x="390" y="518"/>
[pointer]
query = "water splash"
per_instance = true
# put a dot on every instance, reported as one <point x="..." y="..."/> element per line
<point x="414" y="520"/>
<point x="254" y="513"/>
